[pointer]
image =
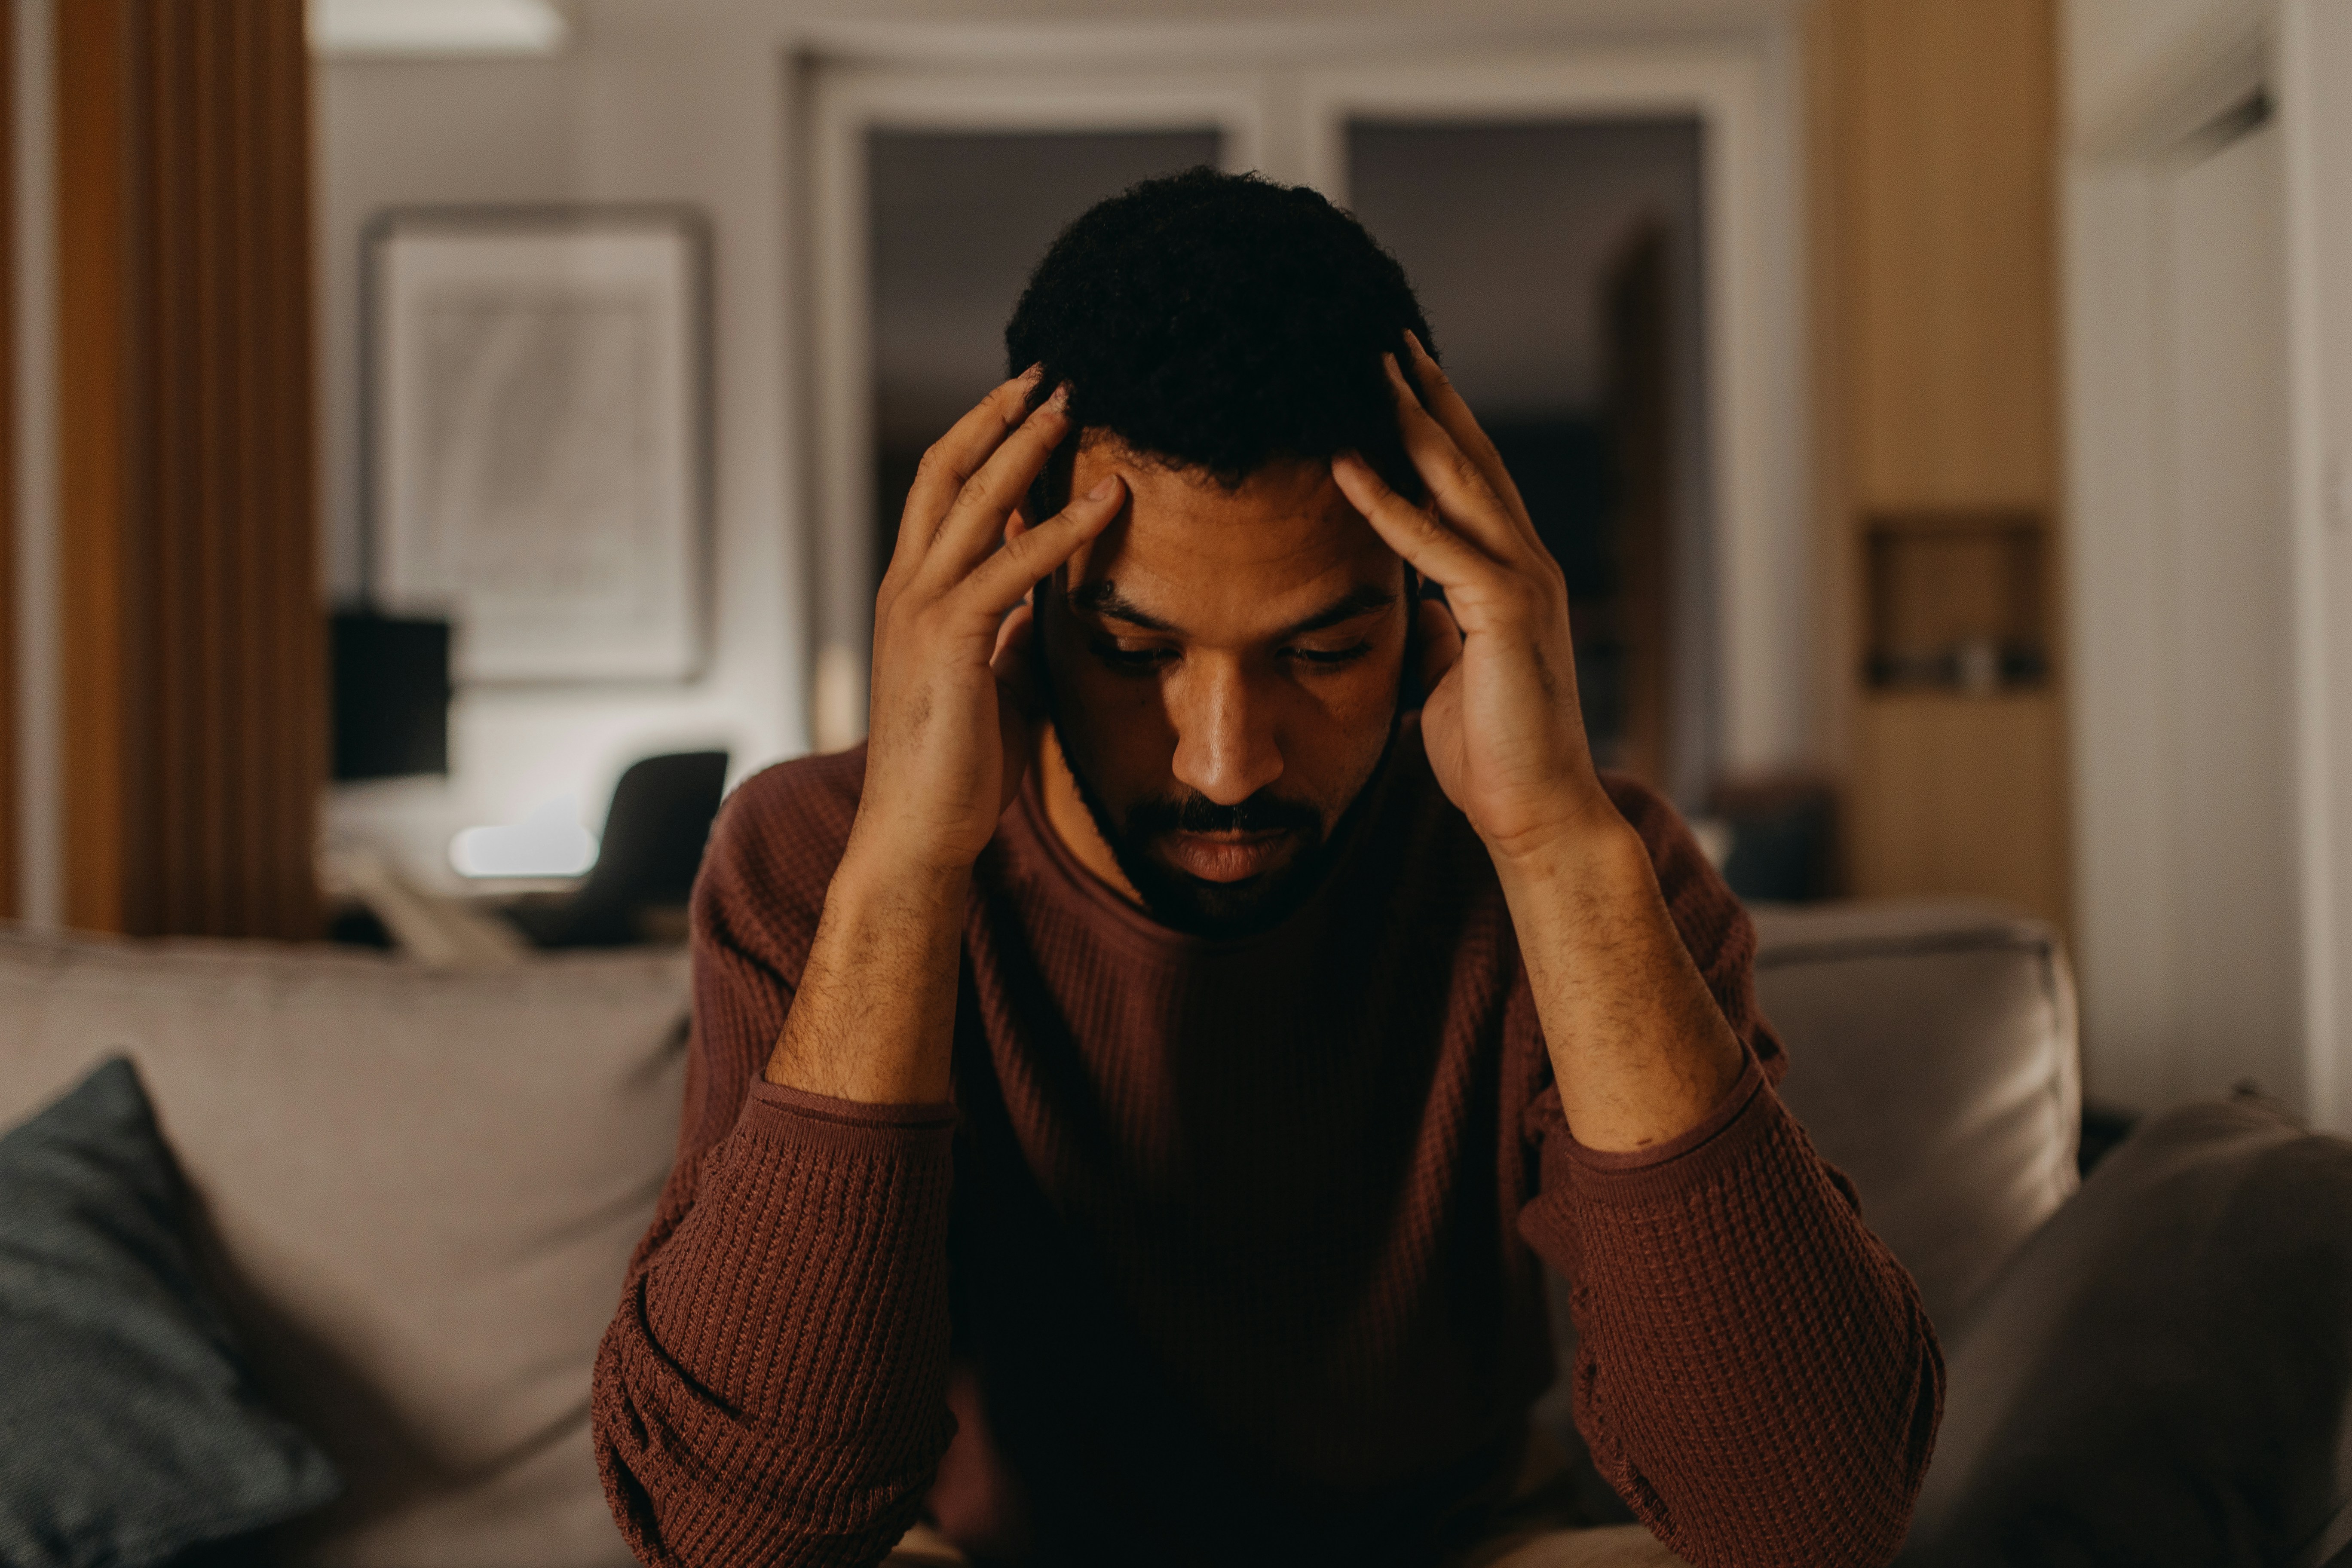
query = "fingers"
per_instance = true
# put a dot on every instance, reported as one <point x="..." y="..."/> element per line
<point x="1463" y="493"/>
<point x="1436" y="552"/>
<point x="975" y="521"/>
<point x="1446" y="405"/>
<point x="998" y="583"/>
<point x="955" y="458"/>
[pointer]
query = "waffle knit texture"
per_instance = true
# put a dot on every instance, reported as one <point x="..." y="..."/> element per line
<point x="1230" y="1251"/>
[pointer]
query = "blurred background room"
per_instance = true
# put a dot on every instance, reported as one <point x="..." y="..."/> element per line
<point x="450" y="442"/>
<point x="1930" y="405"/>
<point x="1910" y="391"/>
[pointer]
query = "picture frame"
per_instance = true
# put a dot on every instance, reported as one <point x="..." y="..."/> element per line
<point x="536" y="436"/>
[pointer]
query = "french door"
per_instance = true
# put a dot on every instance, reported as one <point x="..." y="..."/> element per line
<point x="1602" y="238"/>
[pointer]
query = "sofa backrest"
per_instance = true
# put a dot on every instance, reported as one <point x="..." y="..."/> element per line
<point x="424" y="1184"/>
<point x="1932" y="1059"/>
<point x="422" y="1187"/>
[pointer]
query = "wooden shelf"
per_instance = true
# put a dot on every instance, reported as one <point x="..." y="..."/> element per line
<point x="1961" y="795"/>
<point x="1958" y="599"/>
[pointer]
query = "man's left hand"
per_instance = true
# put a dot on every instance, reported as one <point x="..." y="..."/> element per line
<point x="1504" y="736"/>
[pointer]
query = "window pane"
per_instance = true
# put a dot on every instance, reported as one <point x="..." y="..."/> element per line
<point x="1559" y="261"/>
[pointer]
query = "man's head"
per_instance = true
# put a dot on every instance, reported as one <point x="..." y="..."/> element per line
<point x="1226" y="660"/>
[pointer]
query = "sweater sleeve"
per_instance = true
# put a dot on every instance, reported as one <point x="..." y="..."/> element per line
<point x="1754" y="1373"/>
<point x="772" y="1390"/>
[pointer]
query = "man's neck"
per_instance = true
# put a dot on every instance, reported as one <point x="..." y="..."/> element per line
<point x="1071" y="822"/>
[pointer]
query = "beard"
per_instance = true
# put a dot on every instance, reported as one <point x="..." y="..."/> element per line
<point x="1196" y="905"/>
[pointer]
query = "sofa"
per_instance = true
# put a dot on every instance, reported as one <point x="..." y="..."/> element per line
<point x="416" y="1189"/>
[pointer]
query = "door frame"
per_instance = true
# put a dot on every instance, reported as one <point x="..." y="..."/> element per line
<point x="1286" y="103"/>
<point x="1752" y="497"/>
<point x="850" y="101"/>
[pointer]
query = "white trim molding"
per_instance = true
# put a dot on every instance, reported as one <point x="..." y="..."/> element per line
<point x="1284" y="108"/>
<point x="2314" y="65"/>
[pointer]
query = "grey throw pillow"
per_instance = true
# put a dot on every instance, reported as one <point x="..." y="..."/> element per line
<point x="128" y="1431"/>
<point x="2161" y="1375"/>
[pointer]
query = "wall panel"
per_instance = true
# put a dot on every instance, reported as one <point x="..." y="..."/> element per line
<point x="1934" y="299"/>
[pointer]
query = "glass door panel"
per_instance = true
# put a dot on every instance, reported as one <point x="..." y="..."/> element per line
<point x="1558" y="260"/>
<point x="956" y="219"/>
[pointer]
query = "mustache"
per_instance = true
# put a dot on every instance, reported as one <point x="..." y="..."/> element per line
<point x="1196" y="813"/>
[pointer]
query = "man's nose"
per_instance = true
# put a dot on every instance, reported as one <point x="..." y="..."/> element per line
<point x="1227" y="747"/>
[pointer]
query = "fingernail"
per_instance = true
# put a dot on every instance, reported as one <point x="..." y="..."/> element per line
<point x="1029" y="377"/>
<point x="1061" y="399"/>
<point x="1414" y="339"/>
<point x="1104" y="488"/>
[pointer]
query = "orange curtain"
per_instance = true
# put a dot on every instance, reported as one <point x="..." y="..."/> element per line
<point x="193" y="711"/>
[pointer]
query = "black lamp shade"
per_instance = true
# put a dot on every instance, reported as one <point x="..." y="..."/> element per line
<point x="390" y="685"/>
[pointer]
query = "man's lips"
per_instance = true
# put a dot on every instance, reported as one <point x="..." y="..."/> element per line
<point x="1227" y="857"/>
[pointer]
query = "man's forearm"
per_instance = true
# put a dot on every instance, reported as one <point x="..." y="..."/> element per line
<point x="874" y="1018"/>
<point x="1639" y="1047"/>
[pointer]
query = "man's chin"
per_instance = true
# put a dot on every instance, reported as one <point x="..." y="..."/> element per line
<point x="1202" y="906"/>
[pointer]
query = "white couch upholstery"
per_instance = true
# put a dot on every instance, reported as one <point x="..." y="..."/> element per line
<point x="1932" y="1057"/>
<point x="424" y="1184"/>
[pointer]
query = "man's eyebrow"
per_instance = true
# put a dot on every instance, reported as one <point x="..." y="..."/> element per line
<point x="1102" y="597"/>
<point x="1360" y="600"/>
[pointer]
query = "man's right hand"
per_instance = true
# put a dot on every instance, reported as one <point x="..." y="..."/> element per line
<point x="949" y="737"/>
<point x="949" y="722"/>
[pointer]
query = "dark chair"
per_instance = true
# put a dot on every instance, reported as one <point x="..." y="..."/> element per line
<point x="660" y="817"/>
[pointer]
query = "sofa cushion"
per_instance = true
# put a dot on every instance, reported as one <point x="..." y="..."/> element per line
<point x="2163" y="1372"/>
<point x="128" y="1430"/>
<point x="1932" y="1058"/>
<point x="419" y="1189"/>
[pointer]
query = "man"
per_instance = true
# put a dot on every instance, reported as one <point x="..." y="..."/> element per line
<point x="1131" y="1096"/>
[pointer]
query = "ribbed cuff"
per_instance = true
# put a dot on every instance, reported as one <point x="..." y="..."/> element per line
<point x="772" y="1111"/>
<point x="1745" y="1114"/>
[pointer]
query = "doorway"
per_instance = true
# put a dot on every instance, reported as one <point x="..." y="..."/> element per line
<point x="958" y="217"/>
<point x="1582" y="239"/>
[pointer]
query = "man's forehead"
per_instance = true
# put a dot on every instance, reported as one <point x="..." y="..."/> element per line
<point x="1284" y="541"/>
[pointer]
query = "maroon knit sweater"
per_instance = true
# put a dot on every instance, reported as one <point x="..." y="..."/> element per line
<point x="1228" y="1251"/>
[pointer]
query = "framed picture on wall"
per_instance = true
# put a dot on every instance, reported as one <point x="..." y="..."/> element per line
<point x="536" y="425"/>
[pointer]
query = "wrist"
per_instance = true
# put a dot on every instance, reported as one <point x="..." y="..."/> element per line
<point x="1601" y="865"/>
<point x="1588" y="841"/>
<point x="881" y="870"/>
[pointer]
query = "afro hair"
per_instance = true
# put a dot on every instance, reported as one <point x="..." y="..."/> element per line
<point x="1218" y="322"/>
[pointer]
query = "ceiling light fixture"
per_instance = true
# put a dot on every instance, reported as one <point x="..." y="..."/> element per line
<point x="343" y="28"/>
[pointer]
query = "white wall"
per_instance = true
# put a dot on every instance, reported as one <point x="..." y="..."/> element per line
<point x="674" y="105"/>
<point x="2209" y="371"/>
<point x="2190" y="927"/>
<point x="2314" y="84"/>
